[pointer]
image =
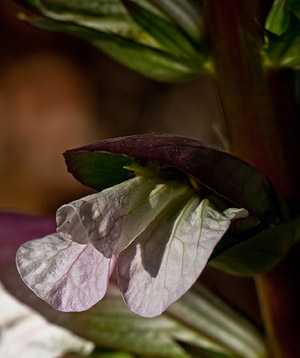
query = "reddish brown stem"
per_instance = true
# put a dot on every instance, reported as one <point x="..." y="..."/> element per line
<point x="279" y="295"/>
<point x="262" y="130"/>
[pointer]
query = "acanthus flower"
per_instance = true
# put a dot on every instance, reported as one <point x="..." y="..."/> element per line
<point x="156" y="234"/>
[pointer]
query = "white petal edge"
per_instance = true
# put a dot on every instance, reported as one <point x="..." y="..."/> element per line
<point x="25" y="333"/>
<point x="113" y="218"/>
<point x="168" y="257"/>
<point x="69" y="276"/>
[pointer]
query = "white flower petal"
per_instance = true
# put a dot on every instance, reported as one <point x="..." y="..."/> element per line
<point x="167" y="258"/>
<point x="25" y="333"/>
<point x="67" y="275"/>
<point x="113" y="218"/>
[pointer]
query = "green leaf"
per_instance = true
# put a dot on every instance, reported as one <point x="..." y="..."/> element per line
<point x="201" y="310"/>
<point x="282" y="40"/>
<point x="104" y="15"/>
<point x="147" y="40"/>
<point x="283" y="51"/>
<point x="144" y="59"/>
<point x="186" y="14"/>
<point x="107" y="16"/>
<point x="83" y="7"/>
<point x="198" y="322"/>
<point x="294" y="6"/>
<point x="171" y="38"/>
<point x="151" y="62"/>
<point x="110" y="324"/>
<point x="99" y="7"/>
<point x="121" y="25"/>
<point x="260" y="253"/>
<point x="107" y="353"/>
<point x="197" y="352"/>
<point x="278" y="18"/>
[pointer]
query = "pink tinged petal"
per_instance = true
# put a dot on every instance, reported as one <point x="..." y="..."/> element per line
<point x="112" y="219"/>
<point x="67" y="275"/>
<point x="167" y="258"/>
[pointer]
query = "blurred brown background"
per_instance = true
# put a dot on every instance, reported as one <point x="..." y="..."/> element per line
<point x="57" y="93"/>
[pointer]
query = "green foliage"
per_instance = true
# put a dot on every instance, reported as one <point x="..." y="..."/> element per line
<point x="170" y="37"/>
<point x="282" y="39"/>
<point x="204" y="312"/>
<point x="164" y="40"/>
<point x="186" y="14"/>
<point x="107" y="353"/>
<point x="197" y="352"/>
<point x="199" y="323"/>
<point x="278" y="19"/>
<point x="259" y="253"/>
<point x="145" y="36"/>
<point x="110" y="324"/>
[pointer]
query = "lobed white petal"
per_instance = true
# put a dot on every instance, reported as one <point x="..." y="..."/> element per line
<point x="67" y="275"/>
<point x="168" y="257"/>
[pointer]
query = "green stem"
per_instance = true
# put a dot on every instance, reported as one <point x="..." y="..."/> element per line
<point x="262" y="130"/>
